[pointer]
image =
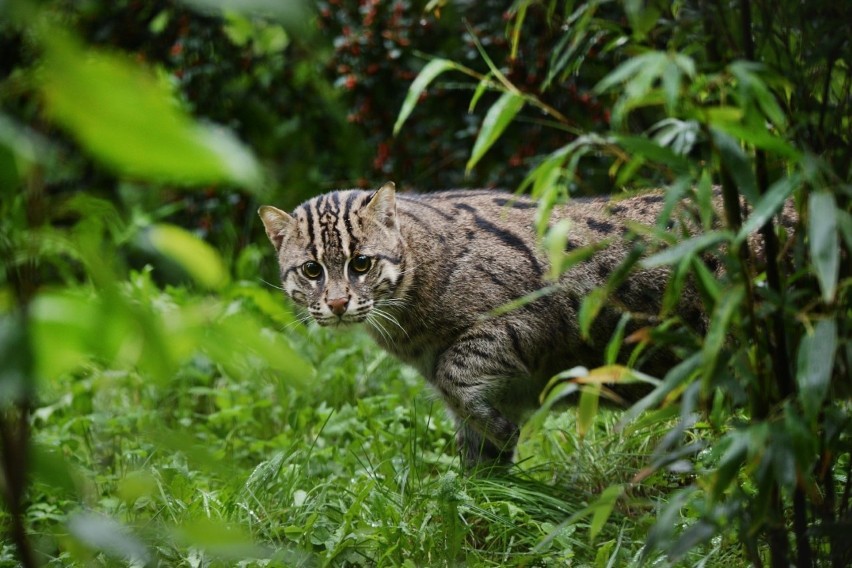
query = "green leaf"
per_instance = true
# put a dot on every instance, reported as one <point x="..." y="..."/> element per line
<point x="232" y="338"/>
<point x="603" y="508"/>
<point x="757" y="135"/>
<point x="555" y="242"/>
<point x="767" y="206"/>
<point x="523" y="300"/>
<point x="736" y="447"/>
<point x="616" y="340"/>
<point x="643" y="146"/>
<point x="496" y="120"/>
<point x="219" y="538"/>
<point x="423" y="79"/>
<point x="294" y="14"/>
<point x="629" y="69"/>
<point x="106" y="535"/>
<point x="824" y="241"/>
<point x="130" y="121"/>
<point x="671" y="85"/>
<point x="737" y="163"/>
<point x="677" y="377"/>
<point x="200" y="260"/>
<point x="560" y="386"/>
<point x="752" y="87"/>
<point x="720" y="322"/>
<point x="589" y="309"/>
<point x="71" y="317"/>
<point x="815" y="365"/>
<point x="698" y="533"/>
<point x="587" y="408"/>
<point x="690" y="246"/>
<point x="706" y="282"/>
<point x="16" y="380"/>
<point x="483" y="85"/>
<point x="50" y="468"/>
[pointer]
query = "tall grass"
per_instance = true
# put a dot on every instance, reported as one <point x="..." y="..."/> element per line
<point x="355" y="467"/>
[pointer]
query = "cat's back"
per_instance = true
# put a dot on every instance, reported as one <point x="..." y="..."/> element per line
<point x="477" y="250"/>
<point x="478" y="224"/>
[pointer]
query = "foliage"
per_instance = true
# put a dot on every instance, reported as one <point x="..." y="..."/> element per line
<point x="159" y="406"/>
<point x="380" y="46"/>
<point x="705" y="97"/>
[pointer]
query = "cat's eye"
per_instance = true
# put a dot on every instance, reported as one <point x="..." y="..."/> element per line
<point x="360" y="263"/>
<point x="312" y="269"/>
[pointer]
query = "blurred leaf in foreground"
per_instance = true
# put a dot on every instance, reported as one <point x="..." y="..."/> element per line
<point x="199" y="259"/>
<point x="15" y="372"/>
<point x="131" y="122"/>
<point x="295" y="15"/>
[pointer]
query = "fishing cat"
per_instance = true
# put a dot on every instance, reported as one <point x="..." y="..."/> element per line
<point x="426" y="272"/>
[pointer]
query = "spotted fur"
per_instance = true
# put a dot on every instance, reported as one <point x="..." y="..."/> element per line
<point x="439" y="265"/>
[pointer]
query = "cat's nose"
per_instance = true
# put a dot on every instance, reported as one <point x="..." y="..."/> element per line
<point x="338" y="305"/>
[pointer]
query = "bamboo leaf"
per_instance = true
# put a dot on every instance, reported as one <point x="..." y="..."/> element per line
<point x="824" y="241"/>
<point x="671" y="85"/>
<point x="698" y="533"/>
<point x="559" y="386"/>
<point x="617" y="339"/>
<point x="483" y="85"/>
<point x="752" y="87"/>
<point x="815" y="365"/>
<point x="736" y="446"/>
<point x="706" y="282"/>
<point x="767" y="206"/>
<point x="496" y="120"/>
<point x="737" y="163"/>
<point x="757" y="135"/>
<point x="603" y="508"/>
<point x="677" y="377"/>
<point x="723" y="315"/>
<point x="592" y="304"/>
<point x="628" y="70"/>
<point x="587" y="408"/>
<point x="643" y="146"/>
<point x="423" y="79"/>
<point x="685" y="248"/>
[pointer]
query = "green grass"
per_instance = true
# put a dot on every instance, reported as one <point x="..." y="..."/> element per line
<point x="354" y="467"/>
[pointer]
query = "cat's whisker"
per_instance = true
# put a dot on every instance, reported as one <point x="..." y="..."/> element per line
<point x="271" y="285"/>
<point x="302" y="317"/>
<point x="394" y="302"/>
<point x="378" y="327"/>
<point x="383" y="314"/>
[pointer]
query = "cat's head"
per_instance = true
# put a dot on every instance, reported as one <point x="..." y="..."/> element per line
<point x="340" y="254"/>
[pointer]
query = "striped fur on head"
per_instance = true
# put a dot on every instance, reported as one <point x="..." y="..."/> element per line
<point x="340" y="254"/>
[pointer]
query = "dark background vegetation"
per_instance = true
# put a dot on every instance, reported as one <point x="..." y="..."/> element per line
<point x="142" y="350"/>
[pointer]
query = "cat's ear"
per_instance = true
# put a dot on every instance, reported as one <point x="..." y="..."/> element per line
<point x="277" y="224"/>
<point x="382" y="205"/>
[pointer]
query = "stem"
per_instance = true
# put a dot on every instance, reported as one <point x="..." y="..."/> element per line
<point x="779" y="546"/>
<point x="14" y="434"/>
<point x="804" y="557"/>
<point x="777" y="348"/>
<point x="15" y="418"/>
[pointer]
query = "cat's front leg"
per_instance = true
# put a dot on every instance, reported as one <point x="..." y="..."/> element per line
<point x="476" y="450"/>
<point x="471" y="376"/>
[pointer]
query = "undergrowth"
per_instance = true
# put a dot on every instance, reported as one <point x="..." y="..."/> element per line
<point x="355" y="467"/>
